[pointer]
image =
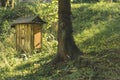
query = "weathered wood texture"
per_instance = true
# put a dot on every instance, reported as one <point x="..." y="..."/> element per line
<point x="37" y="36"/>
<point x="28" y="37"/>
<point x="23" y="37"/>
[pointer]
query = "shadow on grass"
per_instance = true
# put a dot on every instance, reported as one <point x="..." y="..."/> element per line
<point x="34" y="70"/>
<point x="96" y="29"/>
<point x="87" y="15"/>
<point x="103" y="65"/>
<point x="108" y="38"/>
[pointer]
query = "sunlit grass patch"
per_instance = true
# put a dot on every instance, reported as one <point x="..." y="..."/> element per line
<point x="96" y="28"/>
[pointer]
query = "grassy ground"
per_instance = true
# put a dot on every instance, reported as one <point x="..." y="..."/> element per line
<point x="97" y="34"/>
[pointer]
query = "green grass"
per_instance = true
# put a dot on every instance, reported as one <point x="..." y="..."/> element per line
<point x="97" y="26"/>
<point x="97" y="34"/>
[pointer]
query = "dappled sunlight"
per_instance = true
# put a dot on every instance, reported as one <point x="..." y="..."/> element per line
<point x="23" y="69"/>
<point x="99" y="37"/>
<point x="107" y="6"/>
<point x="99" y="30"/>
<point x="89" y="33"/>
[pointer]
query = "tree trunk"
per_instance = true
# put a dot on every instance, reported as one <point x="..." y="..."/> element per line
<point x="66" y="45"/>
<point x="6" y="3"/>
<point x="110" y="1"/>
<point x="12" y="4"/>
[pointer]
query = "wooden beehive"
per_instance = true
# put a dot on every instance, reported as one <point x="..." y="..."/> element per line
<point x="28" y="33"/>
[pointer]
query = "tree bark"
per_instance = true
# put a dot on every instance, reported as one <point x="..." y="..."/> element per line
<point x="12" y="4"/>
<point x="110" y="1"/>
<point x="66" y="45"/>
<point x="7" y="3"/>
